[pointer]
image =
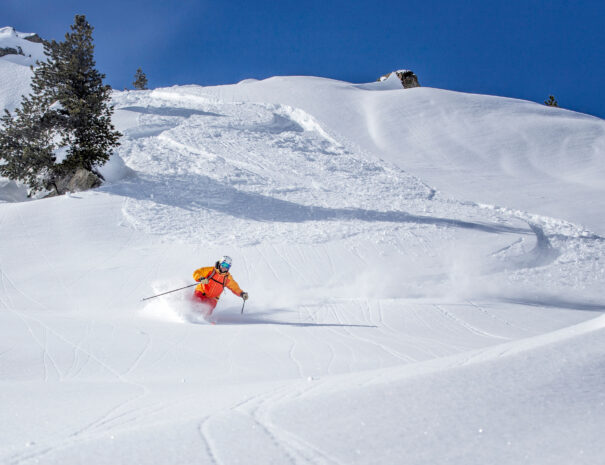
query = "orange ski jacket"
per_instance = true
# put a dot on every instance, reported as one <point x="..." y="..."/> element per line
<point x="217" y="282"/>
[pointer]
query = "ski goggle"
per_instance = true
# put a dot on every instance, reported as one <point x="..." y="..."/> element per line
<point x="225" y="265"/>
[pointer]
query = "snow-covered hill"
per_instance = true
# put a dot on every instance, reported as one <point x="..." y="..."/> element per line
<point x="493" y="150"/>
<point x="396" y="315"/>
<point x="15" y="72"/>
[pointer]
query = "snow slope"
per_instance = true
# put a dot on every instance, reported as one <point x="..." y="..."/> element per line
<point x="508" y="152"/>
<point x="391" y="319"/>
<point x="15" y="72"/>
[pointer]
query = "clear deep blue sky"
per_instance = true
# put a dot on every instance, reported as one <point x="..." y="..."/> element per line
<point x="516" y="48"/>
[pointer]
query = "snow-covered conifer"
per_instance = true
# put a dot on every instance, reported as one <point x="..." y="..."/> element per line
<point x="68" y="112"/>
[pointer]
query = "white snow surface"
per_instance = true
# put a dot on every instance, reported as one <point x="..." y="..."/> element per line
<point x="32" y="51"/>
<point x="425" y="271"/>
<point x="15" y="72"/>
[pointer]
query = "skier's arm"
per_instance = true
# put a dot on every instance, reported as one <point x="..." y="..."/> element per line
<point x="202" y="273"/>
<point x="233" y="286"/>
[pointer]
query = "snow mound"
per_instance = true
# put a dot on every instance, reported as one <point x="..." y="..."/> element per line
<point x="115" y="169"/>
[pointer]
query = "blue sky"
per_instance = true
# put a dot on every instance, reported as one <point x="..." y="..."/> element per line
<point x="525" y="49"/>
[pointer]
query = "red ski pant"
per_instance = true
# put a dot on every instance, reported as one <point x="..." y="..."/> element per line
<point x="209" y="302"/>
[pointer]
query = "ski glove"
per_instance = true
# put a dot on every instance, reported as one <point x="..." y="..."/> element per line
<point x="245" y="295"/>
<point x="204" y="281"/>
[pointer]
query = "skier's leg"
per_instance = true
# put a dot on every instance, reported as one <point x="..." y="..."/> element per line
<point x="211" y="304"/>
<point x="207" y="304"/>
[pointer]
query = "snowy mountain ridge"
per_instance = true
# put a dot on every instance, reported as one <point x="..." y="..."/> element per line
<point x="15" y="73"/>
<point x="27" y="45"/>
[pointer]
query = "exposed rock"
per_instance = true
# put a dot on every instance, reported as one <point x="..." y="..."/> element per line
<point x="11" y="51"/>
<point x="35" y="38"/>
<point x="81" y="180"/>
<point x="408" y="78"/>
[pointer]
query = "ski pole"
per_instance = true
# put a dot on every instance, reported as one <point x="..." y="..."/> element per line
<point x="168" y="292"/>
<point x="242" y="312"/>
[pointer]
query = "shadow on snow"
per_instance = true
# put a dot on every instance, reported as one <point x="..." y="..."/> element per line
<point x="169" y="111"/>
<point x="554" y="302"/>
<point x="195" y="192"/>
<point x="260" y="319"/>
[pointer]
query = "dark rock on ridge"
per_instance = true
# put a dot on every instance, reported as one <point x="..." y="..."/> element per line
<point x="408" y="78"/>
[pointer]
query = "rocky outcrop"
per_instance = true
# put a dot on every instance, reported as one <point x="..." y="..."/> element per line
<point x="13" y="42"/>
<point x="408" y="78"/>
<point x="81" y="180"/>
<point x="11" y="51"/>
<point x="35" y="38"/>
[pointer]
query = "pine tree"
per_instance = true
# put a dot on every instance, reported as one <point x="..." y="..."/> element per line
<point x="26" y="148"/>
<point x="28" y="142"/>
<point x="551" y="102"/>
<point x="81" y="100"/>
<point x="68" y="112"/>
<point x="140" y="80"/>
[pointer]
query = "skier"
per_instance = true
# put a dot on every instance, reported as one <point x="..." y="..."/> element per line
<point x="213" y="280"/>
